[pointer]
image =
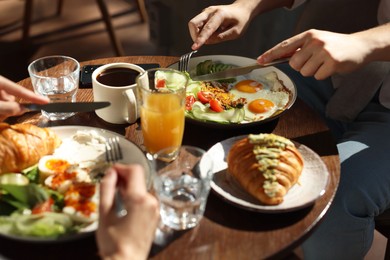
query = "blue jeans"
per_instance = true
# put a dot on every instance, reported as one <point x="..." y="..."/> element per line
<point x="347" y="229"/>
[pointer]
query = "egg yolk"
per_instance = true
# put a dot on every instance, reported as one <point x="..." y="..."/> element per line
<point x="258" y="106"/>
<point x="248" y="86"/>
<point x="57" y="165"/>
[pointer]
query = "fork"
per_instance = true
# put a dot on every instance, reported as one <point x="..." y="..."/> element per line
<point x="184" y="60"/>
<point x="114" y="154"/>
<point x="113" y="150"/>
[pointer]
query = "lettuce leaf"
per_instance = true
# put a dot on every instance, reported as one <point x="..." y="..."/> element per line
<point x="203" y="112"/>
<point x="26" y="196"/>
<point x="193" y="88"/>
<point x="32" y="173"/>
<point x="16" y="197"/>
<point x="45" y="225"/>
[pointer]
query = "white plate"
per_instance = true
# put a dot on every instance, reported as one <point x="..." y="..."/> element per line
<point x="311" y="186"/>
<point x="255" y="75"/>
<point x="131" y="154"/>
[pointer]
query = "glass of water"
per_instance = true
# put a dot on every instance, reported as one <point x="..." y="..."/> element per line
<point x="56" y="77"/>
<point x="182" y="185"/>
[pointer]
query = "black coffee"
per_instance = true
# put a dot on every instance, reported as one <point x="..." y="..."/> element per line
<point x="117" y="77"/>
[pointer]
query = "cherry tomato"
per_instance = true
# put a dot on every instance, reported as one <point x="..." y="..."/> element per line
<point x="203" y="97"/>
<point x="160" y="83"/>
<point x="215" y="106"/>
<point x="190" y="100"/>
<point x="43" y="207"/>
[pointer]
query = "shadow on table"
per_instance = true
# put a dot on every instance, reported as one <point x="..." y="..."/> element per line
<point x="164" y="237"/>
<point x="81" y="119"/>
<point x="234" y="217"/>
<point x="202" y="136"/>
<point x="83" y="248"/>
<point x="321" y="141"/>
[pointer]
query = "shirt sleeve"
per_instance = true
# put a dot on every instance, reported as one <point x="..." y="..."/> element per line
<point x="296" y="4"/>
<point x="383" y="11"/>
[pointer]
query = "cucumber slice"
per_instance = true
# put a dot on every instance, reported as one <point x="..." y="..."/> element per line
<point x="14" y="179"/>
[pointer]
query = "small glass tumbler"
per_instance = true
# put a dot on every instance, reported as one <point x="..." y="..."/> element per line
<point x="182" y="185"/>
<point x="56" y="77"/>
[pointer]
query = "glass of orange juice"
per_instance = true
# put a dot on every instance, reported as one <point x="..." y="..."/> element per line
<point x="161" y="97"/>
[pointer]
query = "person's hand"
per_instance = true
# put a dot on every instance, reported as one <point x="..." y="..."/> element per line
<point x="130" y="236"/>
<point x="218" y="23"/>
<point x="321" y="53"/>
<point x="8" y="93"/>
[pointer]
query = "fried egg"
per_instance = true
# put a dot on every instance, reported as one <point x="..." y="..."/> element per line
<point x="262" y="102"/>
<point x="81" y="202"/>
<point x="248" y="86"/>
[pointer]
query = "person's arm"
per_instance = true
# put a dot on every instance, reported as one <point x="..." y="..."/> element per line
<point x="9" y="90"/>
<point x="322" y="53"/>
<point x="378" y="41"/>
<point x="130" y="236"/>
<point x="227" y="22"/>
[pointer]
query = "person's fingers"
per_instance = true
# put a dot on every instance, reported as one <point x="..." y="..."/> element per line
<point x="6" y="96"/>
<point x="11" y="108"/>
<point x="134" y="180"/>
<point x="311" y="67"/>
<point x="300" y="58"/>
<point x="323" y="72"/>
<point x="14" y="89"/>
<point x="284" y="49"/>
<point x="196" y="24"/>
<point x="207" y="29"/>
<point x="107" y="192"/>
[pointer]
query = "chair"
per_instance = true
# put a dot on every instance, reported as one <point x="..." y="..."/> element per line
<point x="28" y="8"/>
<point x="382" y="224"/>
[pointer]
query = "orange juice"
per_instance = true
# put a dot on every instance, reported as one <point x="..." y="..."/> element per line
<point x="162" y="119"/>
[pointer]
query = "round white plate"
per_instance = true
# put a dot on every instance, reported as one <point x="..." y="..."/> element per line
<point x="255" y="75"/>
<point x="311" y="184"/>
<point x="131" y="154"/>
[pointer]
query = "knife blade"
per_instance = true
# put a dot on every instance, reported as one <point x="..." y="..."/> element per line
<point x="234" y="72"/>
<point x="65" y="107"/>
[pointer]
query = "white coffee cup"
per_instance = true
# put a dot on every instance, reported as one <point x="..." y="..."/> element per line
<point x="116" y="83"/>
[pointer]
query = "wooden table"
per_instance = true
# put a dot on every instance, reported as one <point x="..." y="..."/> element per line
<point x="226" y="232"/>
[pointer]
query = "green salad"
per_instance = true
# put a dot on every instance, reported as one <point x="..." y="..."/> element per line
<point x="19" y="200"/>
<point x="235" y="100"/>
<point x="59" y="195"/>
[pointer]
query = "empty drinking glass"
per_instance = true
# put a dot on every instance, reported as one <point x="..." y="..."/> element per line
<point x="182" y="185"/>
<point x="56" y="77"/>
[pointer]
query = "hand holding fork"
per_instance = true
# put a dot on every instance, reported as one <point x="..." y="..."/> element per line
<point x="184" y="61"/>
<point x="114" y="154"/>
<point x="134" y="232"/>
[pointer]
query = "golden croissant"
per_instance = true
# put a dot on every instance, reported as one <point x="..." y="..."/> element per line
<point x="266" y="166"/>
<point x="22" y="145"/>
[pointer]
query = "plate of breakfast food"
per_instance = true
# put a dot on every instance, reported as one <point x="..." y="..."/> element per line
<point x="247" y="100"/>
<point x="267" y="173"/>
<point x="49" y="180"/>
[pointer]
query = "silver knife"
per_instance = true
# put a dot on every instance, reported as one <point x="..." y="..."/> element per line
<point x="234" y="72"/>
<point x="66" y="106"/>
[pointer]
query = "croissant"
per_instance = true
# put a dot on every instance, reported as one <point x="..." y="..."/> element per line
<point x="266" y="166"/>
<point x="22" y="145"/>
